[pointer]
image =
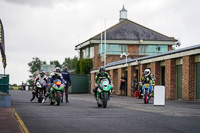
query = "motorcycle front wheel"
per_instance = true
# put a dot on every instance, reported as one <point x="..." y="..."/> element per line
<point x="40" y="97"/>
<point x="58" y="98"/>
<point x="105" y="100"/>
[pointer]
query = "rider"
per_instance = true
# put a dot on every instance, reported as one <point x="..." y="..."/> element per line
<point x="149" y="78"/>
<point x="53" y="76"/>
<point x="41" y="78"/>
<point x="99" y="76"/>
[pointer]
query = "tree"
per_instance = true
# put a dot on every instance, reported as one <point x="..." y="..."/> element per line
<point x="85" y="66"/>
<point x="35" y="66"/>
<point x="70" y="63"/>
<point x="56" y="63"/>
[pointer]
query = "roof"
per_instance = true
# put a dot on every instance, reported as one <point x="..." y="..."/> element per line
<point x="123" y="9"/>
<point x="129" y="30"/>
<point x="153" y="56"/>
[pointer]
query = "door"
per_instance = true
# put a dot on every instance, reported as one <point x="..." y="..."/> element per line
<point x="179" y="81"/>
<point x="198" y="80"/>
<point x="126" y="91"/>
<point x="162" y="76"/>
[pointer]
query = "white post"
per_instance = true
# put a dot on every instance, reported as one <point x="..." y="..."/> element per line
<point x="101" y="36"/>
<point x="105" y="45"/>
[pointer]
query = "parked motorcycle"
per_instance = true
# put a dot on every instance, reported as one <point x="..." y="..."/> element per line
<point x="103" y="92"/>
<point x="56" y="93"/>
<point x="41" y="89"/>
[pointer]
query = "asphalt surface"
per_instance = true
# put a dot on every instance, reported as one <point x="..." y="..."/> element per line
<point x="123" y="114"/>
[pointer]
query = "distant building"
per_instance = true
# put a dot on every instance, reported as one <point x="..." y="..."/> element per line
<point x="124" y="37"/>
<point x="48" y="68"/>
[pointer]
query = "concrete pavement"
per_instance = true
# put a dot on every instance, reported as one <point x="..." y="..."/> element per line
<point x="123" y="114"/>
<point x="8" y="121"/>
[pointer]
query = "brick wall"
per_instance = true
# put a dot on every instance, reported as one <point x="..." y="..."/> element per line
<point x="115" y="81"/>
<point x="119" y="77"/>
<point x="155" y="70"/>
<point x="170" y="79"/>
<point x="188" y="78"/>
<point x="170" y="47"/>
<point x="133" y="49"/>
<point x="111" y="72"/>
<point x="92" y="82"/>
<point x="142" y="68"/>
<point x="129" y="79"/>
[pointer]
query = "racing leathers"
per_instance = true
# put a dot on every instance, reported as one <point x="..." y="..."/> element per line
<point x="41" y="80"/>
<point x="98" y="79"/>
<point x="150" y="79"/>
<point x="53" y="77"/>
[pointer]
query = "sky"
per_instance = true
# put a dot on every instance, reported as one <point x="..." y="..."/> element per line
<point x="50" y="29"/>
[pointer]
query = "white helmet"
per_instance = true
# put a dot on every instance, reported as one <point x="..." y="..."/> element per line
<point x="147" y="72"/>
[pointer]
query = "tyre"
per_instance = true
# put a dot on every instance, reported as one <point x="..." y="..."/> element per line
<point x="58" y="98"/>
<point x="99" y="105"/>
<point x="105" y="100"/>
<point x="40" y="97"/>
<point x="145" y="98"/>
<point x="51" y="102"/>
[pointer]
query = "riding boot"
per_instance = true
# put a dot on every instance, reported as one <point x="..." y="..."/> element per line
<point x="33" y="97"/>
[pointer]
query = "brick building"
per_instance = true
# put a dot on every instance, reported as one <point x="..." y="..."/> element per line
<point x="178" y="70"/>
<point x="124" y="37"/>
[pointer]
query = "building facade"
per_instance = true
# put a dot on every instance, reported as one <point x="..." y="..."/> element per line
<point x="177" y="70"/>
<point x="124" y="37"/>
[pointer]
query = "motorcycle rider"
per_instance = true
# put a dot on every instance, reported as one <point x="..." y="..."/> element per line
<point x="148" y="78"/>
<point x="53" y="76"/>
<point x="42" y="78"/>
<point x="99" y="76"/>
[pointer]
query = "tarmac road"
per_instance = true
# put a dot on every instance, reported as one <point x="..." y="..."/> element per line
<point x="123" y="115"/>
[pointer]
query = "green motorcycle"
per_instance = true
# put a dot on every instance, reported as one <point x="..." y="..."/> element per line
<point x="56" y="92"/>
<point x="103" y="93"/>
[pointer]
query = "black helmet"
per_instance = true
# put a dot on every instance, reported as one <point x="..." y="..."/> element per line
<point x="42" y="73"/>
<point x="57" y="69"/>
<point x="102" y="69"/>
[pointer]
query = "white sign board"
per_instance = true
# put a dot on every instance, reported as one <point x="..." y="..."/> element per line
<point x="159" y="95"/>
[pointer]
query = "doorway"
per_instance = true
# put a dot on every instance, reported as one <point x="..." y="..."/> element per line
<point x="198" y="80"/>
<point x="162" y="76"/>
<point x="179" y="81"/>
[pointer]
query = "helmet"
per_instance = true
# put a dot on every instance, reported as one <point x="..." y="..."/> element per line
<point x="57" y="69"/>
<point x="147" y="72"/>
<point x="42" y="73"/>
<point x="102" y="70"/>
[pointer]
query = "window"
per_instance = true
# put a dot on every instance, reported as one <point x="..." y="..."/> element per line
<point x="123" y="48"/>
<point x="113" y="49"/>
<point x="152" y="49"/>
<point x="91" y="52"/>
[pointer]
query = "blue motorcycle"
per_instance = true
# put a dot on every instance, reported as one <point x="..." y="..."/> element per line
<point x="146" y="89"/>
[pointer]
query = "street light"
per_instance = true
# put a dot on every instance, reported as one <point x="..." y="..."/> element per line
<point x="125" y="54"/>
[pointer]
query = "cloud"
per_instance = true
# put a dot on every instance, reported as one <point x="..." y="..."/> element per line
<point x="40" y="3"/>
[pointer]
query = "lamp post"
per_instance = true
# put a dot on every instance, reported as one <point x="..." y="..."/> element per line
<point x="125" y="54"/>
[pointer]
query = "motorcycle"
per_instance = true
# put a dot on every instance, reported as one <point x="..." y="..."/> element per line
<point x="41" y="90"/>
<point x="146" y="89"/>
<point x="103" y="92"/>
<point x="56" y="93"/>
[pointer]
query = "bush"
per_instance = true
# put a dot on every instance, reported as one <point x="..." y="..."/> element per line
<point x="77" y="67"/>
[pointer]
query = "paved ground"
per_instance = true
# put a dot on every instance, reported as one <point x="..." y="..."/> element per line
<point x="8" y="121"/>
<point x="123" y="114"/>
